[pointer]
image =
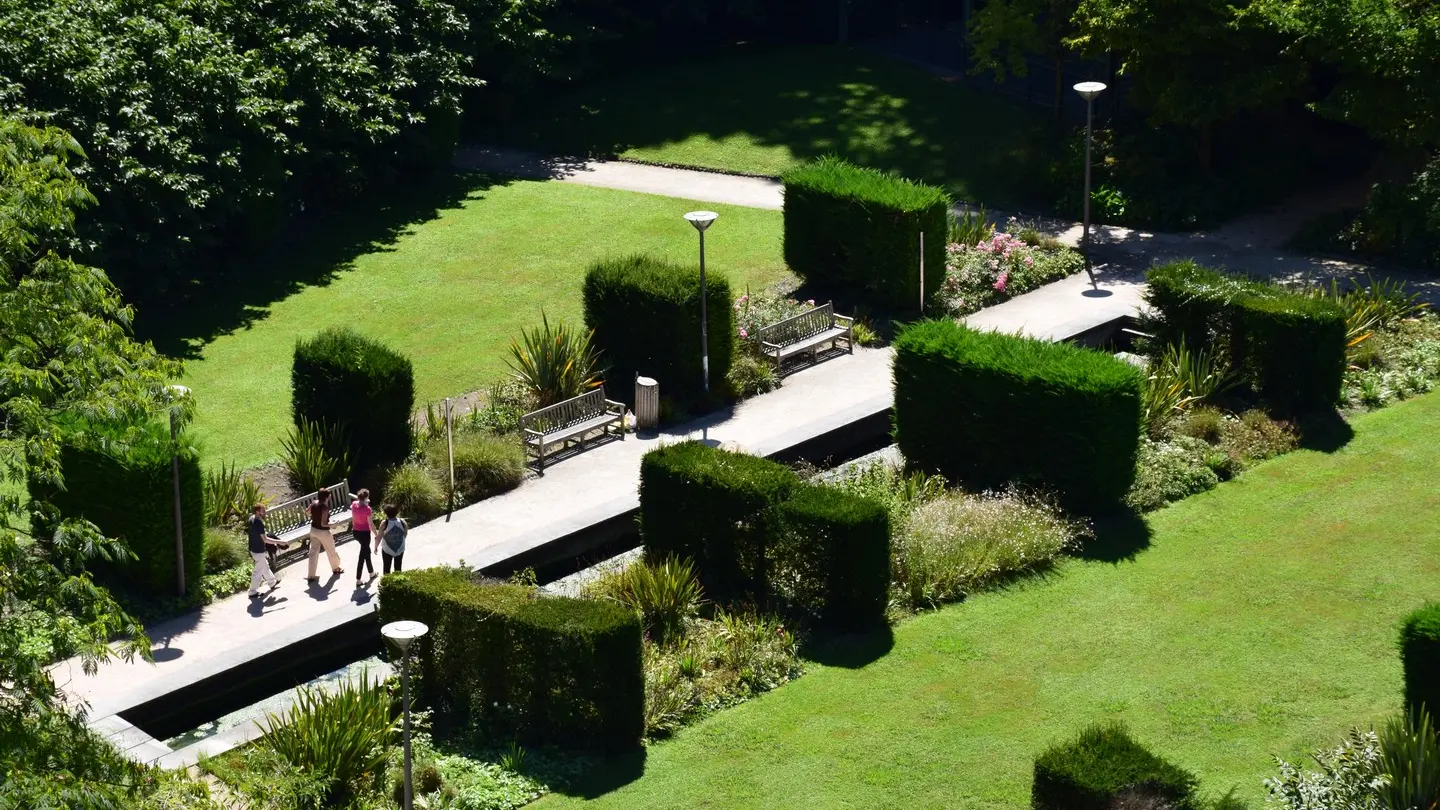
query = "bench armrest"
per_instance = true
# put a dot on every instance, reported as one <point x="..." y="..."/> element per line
<point x="844" y="320"/>
<point x="528" y="433"/>
<point x="617" y="407"/>
<point x="770" y="346"/>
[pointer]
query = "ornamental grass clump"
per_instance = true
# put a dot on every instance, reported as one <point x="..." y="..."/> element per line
<point x="665" y="594"/>
<point x="341" y="736"/>
<point x="959" y="543"/>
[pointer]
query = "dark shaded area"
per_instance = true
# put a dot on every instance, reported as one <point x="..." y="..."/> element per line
<point x="1119" y="536"/>
<point x="612" y="773"/>
<point x="224" y="295"/>
<point x="814" y="101"/>
<point x="850" y="650"/>
<point x="1326" y="431"/>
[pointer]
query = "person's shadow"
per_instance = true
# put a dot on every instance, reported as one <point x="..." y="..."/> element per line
<point x="320" y="591"/>
<point x="257" y="607"/>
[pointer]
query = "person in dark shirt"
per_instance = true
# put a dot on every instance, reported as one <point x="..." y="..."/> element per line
<point x="259" y="539"/>
<point x="321" y="537"/>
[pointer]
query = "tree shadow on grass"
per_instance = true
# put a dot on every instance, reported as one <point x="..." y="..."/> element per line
<point x="851" y="650"/>
<point x="613" y="772"/>
<point x="1119" y="536"/>
<point x="235" y="292"/>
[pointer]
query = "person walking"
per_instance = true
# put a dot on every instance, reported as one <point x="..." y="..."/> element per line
<point x="391" y="542"/>
<point x="260" y="538"/>
<point x="360" y="512"/>
<point x="321" y="536"/>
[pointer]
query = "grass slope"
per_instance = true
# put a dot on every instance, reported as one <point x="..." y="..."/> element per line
<point x="1261" y="620"/>
<point x="763" y="111"/>
<point x="452" y="290"/>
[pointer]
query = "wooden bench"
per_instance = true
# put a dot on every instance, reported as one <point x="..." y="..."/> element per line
<point x="806" y="332"/>
<point x="575" y="418"/>
<point x="290" y="521"/>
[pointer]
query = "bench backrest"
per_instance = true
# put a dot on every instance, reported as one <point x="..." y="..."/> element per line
<point x="564" y="414"/>
<point x="798" y="327"/>
<point x="292" y="515"/>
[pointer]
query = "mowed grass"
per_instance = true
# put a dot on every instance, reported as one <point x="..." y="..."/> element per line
<point x="762" y="111"/>
<point x="451" y="291"/>
<point x="1261" y="620"/>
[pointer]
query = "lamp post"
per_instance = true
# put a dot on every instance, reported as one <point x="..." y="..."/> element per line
<point x="402" y="635"/>
<point x="1088" y="91"/>
<point x="178" y="394"/>
<point x="703" y="220"/>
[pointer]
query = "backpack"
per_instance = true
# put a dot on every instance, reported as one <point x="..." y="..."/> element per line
<point x="394" y="535"/>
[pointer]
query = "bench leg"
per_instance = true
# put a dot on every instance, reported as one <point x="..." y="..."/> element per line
<point x="542" y="457"/>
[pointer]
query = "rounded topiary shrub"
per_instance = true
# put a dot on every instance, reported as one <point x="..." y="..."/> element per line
<point x="857" y="231"/>
<point x="989" y="410"/>
<point x="128" y="492"/>
<point x="645" y="314"/>
<point x="1102" y="765"/>
<point x="359" y="387"/>
<point x="1420" y="658"/>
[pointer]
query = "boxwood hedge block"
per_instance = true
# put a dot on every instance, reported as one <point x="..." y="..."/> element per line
<point x="360" y="386"/>
<point x="988" y="410"/>
<point x="128" y="492"/>
<point x="1420" y="658"/>
<point x="1193" y="301"/>
<point x="1102" y="765"/>
<point x="545" y="670"/>
<point x="1293" y="349"/>
<point x="832" y="559"/>
<point x="716" y="508"/>
<point x="857" y="231"/>
<point x="646" y="316"/>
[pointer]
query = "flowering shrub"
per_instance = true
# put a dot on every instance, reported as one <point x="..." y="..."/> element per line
<point x="999" y="268"/>
<point x="763" y="309"/>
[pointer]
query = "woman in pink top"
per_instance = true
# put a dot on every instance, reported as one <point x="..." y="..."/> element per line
<point x="360" y="527"/>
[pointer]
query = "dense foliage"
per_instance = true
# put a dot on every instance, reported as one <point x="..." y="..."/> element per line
<point x="207" y="124"/>
<point x="1105" y="764"/>
<point x="857" y="231"/>
<point x="66" y="357"/>
<point x="127" y="491"/>
<point x="991" y="410"/>
<point x="358" y="387"/>
<point x="644" y="315"/>
<point x="540" y="669"/>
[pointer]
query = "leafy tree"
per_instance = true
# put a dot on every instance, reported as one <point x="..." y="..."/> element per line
<point x="66" y="357"/>
<point x="1196" y="63"/>
<point x="1004" y="32"/>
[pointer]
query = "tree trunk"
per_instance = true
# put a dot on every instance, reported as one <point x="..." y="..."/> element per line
<point x="1059" y="84"/>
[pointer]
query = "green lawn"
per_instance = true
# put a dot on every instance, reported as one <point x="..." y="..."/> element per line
<point x="762" y="111"/>
<point x="450" y="291"/>
<point x="1260" y="620"/>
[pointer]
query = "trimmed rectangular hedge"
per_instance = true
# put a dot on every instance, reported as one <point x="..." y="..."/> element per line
<point x="1102" y="765"/>
<point x="128" y="492"/>
<point x="544" y="670"/>
<point x="1292" y="350"/>
<point x="713" y="507"/>
<point x="646" y="316"/>
<point x="366" y="389"/>
<point x="857" y="231"/>
<point x="1289" y="347"/>
<point x="832" y="558"/>
<point x="988" y="410"/>
<point x="1420" y="658"/>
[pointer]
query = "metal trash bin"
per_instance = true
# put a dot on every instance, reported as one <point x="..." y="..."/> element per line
<point x="647" y="403"/>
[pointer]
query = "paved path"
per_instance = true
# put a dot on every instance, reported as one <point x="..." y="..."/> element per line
<point x="573" y="494"/>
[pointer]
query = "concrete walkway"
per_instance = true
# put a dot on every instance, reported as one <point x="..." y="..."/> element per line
<point x="574" y="493"/>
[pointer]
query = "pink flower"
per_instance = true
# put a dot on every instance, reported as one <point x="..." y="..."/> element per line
<point x="810" y="302"/>
<point x="743" y="333"/>
<point x="1029" y="261"/>
<point x="1002" y="280"/>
